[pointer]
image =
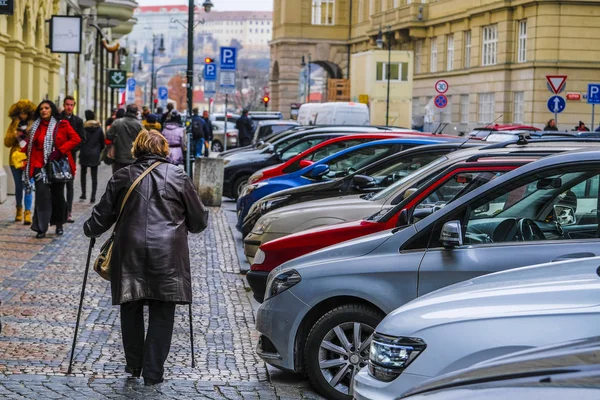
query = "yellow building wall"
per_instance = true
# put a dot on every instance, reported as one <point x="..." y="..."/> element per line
<point x="365" y="83"/>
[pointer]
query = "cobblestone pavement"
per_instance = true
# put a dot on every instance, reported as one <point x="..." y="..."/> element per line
<point x="40" y="283"/>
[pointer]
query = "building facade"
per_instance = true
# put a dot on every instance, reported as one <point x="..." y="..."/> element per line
<point x="495" y="55"/>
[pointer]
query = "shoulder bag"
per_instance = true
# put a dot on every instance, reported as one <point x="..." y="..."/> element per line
<point x="102" y="263"/>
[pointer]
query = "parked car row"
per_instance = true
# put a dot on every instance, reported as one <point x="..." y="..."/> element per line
<point x="400" y="264"/>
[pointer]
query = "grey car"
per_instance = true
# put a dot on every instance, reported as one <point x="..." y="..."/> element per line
<point x="327" y="303"/>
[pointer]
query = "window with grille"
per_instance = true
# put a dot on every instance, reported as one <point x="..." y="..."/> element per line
<point x="398" y="72"/>
<point x="450" y="54"/>
<point x="418" y="52"/>
<point x="468" y="49"/>
<point x="486" y="107"/>
<point x="464" y="108"/>
<point x="522" y="42"/>
<point x="433" y="63"/>
<point x="490" y="45"/>
<point x="323" y="12"/>
<point x="519" y="107"/>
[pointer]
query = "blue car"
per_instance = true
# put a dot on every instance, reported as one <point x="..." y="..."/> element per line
<point x="335" y="166"/>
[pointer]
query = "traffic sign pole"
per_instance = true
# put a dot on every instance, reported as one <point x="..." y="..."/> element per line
<point x="225" y="126"/>
<point x="593" y="111"/>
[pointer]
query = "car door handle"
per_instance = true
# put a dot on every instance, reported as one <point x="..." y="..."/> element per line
<point x="573" y="256"/>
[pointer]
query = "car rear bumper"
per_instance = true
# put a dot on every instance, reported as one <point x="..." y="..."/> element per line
<point x="258" y="283"/>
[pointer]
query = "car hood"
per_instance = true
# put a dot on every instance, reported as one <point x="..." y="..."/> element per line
<point x="246" y="157"/>
<point x="313" y="187"/>
<point x="540" y="289"/>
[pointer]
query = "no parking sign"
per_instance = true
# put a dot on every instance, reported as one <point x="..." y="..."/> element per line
<point x="440" y="101"/>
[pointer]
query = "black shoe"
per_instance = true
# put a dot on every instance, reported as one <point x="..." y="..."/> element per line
<point x="82" y="197"/>
<point x="59" y="230"/>
<point x="135" y="372"/>
<point x="151" y="382"/>
<point x="40" y="235"/>
<point x="93" y="200"/>
<point x="70" y="219"/>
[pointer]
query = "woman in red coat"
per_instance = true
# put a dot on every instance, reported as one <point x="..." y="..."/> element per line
<point x="49" y="139"/>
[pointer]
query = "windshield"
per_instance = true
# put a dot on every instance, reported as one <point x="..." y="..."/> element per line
<point x="348" y="162"/>
<point x="413" y="177"/>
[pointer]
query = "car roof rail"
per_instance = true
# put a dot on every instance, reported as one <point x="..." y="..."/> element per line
<point x="541" y="153"/>
<point x="522" y="141"/>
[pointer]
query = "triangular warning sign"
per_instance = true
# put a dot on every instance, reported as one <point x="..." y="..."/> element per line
<point x="556" y="82"/>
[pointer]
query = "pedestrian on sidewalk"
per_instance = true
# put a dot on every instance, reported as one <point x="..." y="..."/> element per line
<point x="122" y="134"/>
<point x="21" y="115"/>
<point x="245" y="129"/>
<point x="174" y="133"/>
<point x="150" y="262"/>
<point x="77" y="125"/>
<point x="151" y="122"/>
<point x="551" y="125"/>
<point x="89" y="155"/>
<point x="200" y="133"/>
<point x="49" y="139"/>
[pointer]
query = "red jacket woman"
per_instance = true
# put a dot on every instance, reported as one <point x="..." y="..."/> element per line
<point x="49" y="139"/>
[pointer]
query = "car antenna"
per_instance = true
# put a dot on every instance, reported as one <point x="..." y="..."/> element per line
<point x="480" y="129"/>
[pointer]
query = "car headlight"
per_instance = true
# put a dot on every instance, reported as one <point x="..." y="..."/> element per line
<point x="266" y="205"/>
<point x="259" y="257"/>
<point x="261" y="225"/>
<point x="251" y="188"/>
<point x="255" y="177"/>
<point x="389" y="356"/>
<point x="282" y="282"/>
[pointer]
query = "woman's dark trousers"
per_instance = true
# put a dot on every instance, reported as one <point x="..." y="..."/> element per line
<point x="149" y="354"/>
<point x="50" y="206"/>
<point x="94" y="173"/>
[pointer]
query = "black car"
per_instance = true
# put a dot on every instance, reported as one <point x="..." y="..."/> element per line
<point x="262" y="143"/>
<point x="267" y="128"/>
<point x="560" y="371"/>
<point x="239" y="166"/>
<point x="359" y="182"/>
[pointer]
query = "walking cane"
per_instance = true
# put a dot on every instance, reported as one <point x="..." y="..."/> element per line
<point x="85" y="276"/>
<point x="192" y="337"/>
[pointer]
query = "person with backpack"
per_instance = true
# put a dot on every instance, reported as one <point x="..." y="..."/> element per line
<point x="200" y="134"/>
<point x="174" y="132"/>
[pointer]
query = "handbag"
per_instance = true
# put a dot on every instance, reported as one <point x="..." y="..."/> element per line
<point x="108" y="154"/>
<point x="18" y="159"/>
<point x="59" y="170"/>
<point x="102" y="263"/>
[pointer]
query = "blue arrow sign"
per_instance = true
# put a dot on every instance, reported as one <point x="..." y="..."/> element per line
<point x="593" y="93"/>
<point x="228" y="58"/>
<point x="210" y="72"/>
<point x="556" y="104"/>
<point x="163" y="93"/>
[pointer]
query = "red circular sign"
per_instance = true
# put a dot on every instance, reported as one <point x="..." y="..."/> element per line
<point x="441" y="86"/>
<point x="440" y="101"/>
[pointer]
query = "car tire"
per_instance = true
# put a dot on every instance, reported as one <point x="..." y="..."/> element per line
<point x="216" y="146"/>
<point x="238" y="186"/>
<point x="339" y="361"/>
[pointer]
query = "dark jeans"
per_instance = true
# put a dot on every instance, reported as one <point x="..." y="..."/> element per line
<point x="20" y="189"/>
<point x="94" y="174"/>
<point x="50" y="206"/>
<point x="149" y="354"/>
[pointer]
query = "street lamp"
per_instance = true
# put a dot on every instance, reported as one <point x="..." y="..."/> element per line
<point x="379" y="43"/>
<point x="304" y="64"/>
<point x="161" y="50"/>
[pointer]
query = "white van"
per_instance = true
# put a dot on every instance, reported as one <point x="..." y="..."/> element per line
<point x="337" y="114"/>
<point x="306" y="113"/>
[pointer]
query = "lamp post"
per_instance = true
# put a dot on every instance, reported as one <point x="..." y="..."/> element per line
<point x="388" y="67"/>
<point x="304" y="64"/>
<point x="161" y="50"/>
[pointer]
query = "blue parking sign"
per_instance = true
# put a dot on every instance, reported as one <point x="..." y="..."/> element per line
<point x="163" y="93"/>
<point x="593" y="93"/>
<point x="228" y="58"/>
<point x="210" y="72"/>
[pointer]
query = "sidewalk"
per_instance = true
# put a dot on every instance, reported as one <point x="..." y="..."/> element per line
<point x="40" y="286"/>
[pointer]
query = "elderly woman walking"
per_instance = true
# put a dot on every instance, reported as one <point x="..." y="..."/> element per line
<point x="49" y="139"/>
<point x="150" y="262"/>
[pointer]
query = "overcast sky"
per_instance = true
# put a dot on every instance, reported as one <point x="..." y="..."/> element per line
<point x="220" y="5"/>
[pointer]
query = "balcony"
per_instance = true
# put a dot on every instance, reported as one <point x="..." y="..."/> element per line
<point x="124" y="28"/>
<point x="112" y="13"/>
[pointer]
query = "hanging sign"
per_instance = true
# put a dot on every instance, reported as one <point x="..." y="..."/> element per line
<point x="7" y="7"/>
<point x="65" y="34"/>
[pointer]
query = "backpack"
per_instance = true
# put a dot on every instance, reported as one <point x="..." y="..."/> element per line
<point x="197" y="129"/>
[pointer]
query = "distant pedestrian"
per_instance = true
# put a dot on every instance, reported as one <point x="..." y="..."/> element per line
<point x="77" y="125"/>
<point x="166" y="117"/>
<point x="582" y="128"/>
<point x="245" y="129"/>
<point x="49" y="139"/>
<point x="206" y="118"/>
<point x="111" y="119"/>
<point x="21" y="115"/>
<point x="89" y="155"/>
<point x="200" y="133"/>
<point x="551" y="125"/>
<point x="151" y="122"/>
<point x="174" y="132"/>
<point x="150" y="260"/>
<point x="145" y="112"/>
<point x="122" y="134"/>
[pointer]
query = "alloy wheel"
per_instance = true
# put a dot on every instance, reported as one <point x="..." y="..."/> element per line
<point x="217" y="147"/>
<point x="343" y="352"/>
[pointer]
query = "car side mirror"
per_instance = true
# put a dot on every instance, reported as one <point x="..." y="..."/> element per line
<point x="402" y="218"/>
<point x="305" y="163"/>
<point x="363" y="181"/>
<point x="451" y="235"/>
<point x="408" y="193"/>
<point x="564" y="215"/>
<point x="318" y="171"/>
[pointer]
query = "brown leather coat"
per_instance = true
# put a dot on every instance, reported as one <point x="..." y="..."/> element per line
<point x="150" y="258"/>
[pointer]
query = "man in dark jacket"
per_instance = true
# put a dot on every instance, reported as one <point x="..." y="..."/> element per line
<point x="77" y="125"/>
<point x="89" y="154"/>
<point x="245" y="129"/>
<point x="122" y="133"/>
<point x="205" y="117"/>
<point x="200" y="133"/>
<point x="551" y="125"/>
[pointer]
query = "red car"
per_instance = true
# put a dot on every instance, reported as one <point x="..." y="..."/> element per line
<point x="327" y="148"/>
<point x="454" y="182"/>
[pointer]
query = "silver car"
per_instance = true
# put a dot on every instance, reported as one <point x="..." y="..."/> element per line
<point x="326" y="304"/>
<point x="480" y="319"/>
